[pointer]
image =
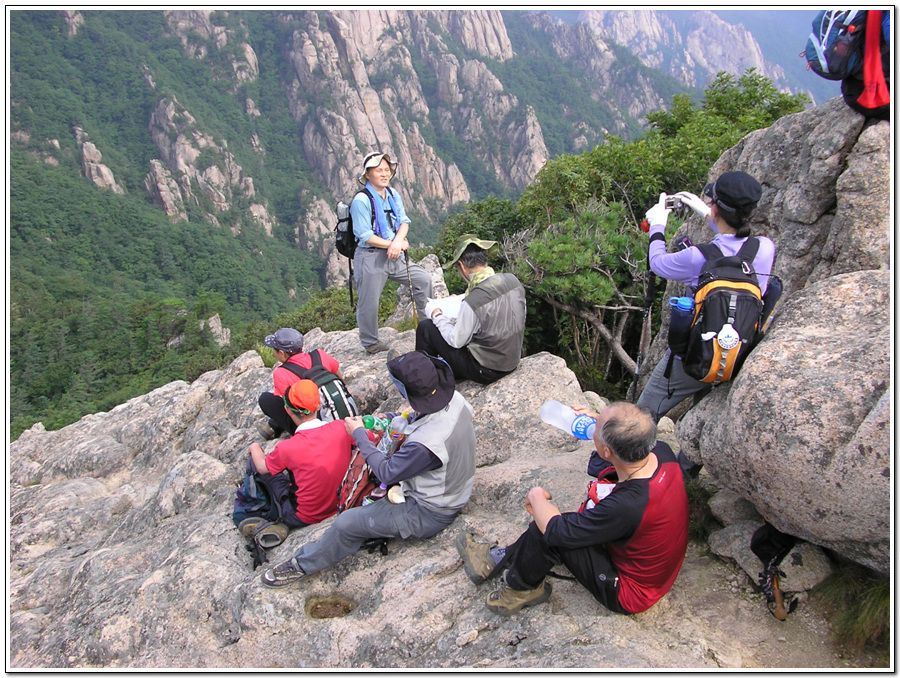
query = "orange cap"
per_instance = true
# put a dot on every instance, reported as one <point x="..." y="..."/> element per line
<point x="303" y="395"/>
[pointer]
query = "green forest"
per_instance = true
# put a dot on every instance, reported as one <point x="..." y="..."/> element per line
<point x="106" y="295"/>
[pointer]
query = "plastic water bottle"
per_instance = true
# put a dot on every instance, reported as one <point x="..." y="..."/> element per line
<point x="343" y="215"/>
<point x="373" y="423"/>
<point x="565" y="418"/>
<point x="680" y="324"/>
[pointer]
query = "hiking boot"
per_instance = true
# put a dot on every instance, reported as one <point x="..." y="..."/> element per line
<point x="265" y="431"/>
<point x="248" y="525"/>
<point x="377" y="347"/>
<point x="476" y="557"/>
<point x="270" y="535"/>
<point x="268" y="430"/>
<point x="506" y="601"/>
<point x="281" y="575"/>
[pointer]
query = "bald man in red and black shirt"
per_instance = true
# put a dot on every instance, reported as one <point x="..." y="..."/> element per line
<point x="626" y="547"/>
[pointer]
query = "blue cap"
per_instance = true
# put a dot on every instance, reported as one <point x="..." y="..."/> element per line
<point x="683" y="303"/>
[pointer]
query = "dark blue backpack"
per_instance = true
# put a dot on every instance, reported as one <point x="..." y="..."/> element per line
<point x="264" y="495"/>
<point x="835" y="46"/>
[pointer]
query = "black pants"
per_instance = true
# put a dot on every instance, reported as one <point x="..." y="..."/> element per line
<point x="464" y="366"/>
<point x="273" y="407"/>
<point x="530" y="558"/>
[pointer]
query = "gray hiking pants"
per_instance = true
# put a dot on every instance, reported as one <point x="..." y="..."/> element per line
<point x="656" y="394"/>
<point x="354" y="527"/>
<point x="371" y="270"/>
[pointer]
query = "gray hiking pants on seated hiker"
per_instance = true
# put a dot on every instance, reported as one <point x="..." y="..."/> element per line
<point x="655" y="396"/>
<point x="371" y="270"/>
<point x="351" y="529"/>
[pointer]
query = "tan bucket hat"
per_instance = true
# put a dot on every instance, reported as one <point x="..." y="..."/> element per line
<point x="374" y="160"/>
<point x="468" y="239"/>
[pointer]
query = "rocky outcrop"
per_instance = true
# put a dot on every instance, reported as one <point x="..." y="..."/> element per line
<point x="123" y="553"/>
<point x="803" y="431"/>
<point x="619" y="90"/>
<point x="164" y="192"/>
<point x="208" y="174"/>
<point x="96" y="171"/>
<point x="220" y="334"/>
<point x="74" y="20"/>
<point x="692" y="55"/>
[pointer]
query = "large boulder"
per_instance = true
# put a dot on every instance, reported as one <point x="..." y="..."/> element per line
<point x="804" y="430"/>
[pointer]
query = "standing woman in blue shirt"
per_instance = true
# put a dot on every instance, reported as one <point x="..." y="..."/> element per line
<point x="381" y="253"/>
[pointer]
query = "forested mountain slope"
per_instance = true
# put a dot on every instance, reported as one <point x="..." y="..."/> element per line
<point x="168" y="166"/>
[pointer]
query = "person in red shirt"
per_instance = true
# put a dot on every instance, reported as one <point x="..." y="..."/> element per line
<point x="626" y="549"/>
<point x="317" y="455"/>
<point x="288" y="346"/>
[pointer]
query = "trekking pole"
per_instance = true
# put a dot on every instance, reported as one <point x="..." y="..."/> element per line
<point x="350" y="283"/>
<point x="412" y="296"/>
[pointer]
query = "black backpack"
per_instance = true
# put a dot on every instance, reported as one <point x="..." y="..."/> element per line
<point x="344" y="240"/>
<point x="728" y="314"/>
<point x="336" y="400"/>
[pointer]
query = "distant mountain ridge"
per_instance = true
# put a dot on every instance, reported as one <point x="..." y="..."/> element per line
<point x="695" y="46"/>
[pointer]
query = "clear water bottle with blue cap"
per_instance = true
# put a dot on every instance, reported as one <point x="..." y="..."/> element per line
<point x="566" y="419"/>
<point x="680" y="323"/>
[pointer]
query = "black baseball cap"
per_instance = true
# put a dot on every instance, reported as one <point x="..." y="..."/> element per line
<point x="734" y="191"/>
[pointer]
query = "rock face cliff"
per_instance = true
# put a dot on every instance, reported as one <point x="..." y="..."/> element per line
<point x="803" y="432"/>
<point x="426" y="86"/>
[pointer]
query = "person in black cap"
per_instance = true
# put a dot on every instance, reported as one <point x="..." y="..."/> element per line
<point x="434" y="467"/>
<point x="287" y="343"/>
<point x="727" y="204"/>
<point x="382" y="250"/>
<point x="484" y="341"/>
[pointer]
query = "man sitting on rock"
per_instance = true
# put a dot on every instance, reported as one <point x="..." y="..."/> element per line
<point x="484" y="341"/>
<point x="288" y="346"/>
<point x="317" y="455"/>
<point x="626" y="549"/>
<point x="435" y="467"/>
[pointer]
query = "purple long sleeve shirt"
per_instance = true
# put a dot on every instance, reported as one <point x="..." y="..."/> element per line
<point x="684" y="266"/>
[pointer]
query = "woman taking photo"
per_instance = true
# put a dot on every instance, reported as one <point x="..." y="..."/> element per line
<point x="727" y="203"/>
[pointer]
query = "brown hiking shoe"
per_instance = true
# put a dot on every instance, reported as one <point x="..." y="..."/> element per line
<point x="377" y="347"/>
<point x="506" y="601"/>
<point x="476" y="557"/>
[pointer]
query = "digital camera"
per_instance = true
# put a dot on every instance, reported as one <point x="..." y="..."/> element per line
<point x="673" y="202"/>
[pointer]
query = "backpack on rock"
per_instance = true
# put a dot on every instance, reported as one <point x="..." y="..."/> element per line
<point x="834" y="49"/>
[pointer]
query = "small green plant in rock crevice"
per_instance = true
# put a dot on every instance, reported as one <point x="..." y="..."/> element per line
<point x="861" y="607"/>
